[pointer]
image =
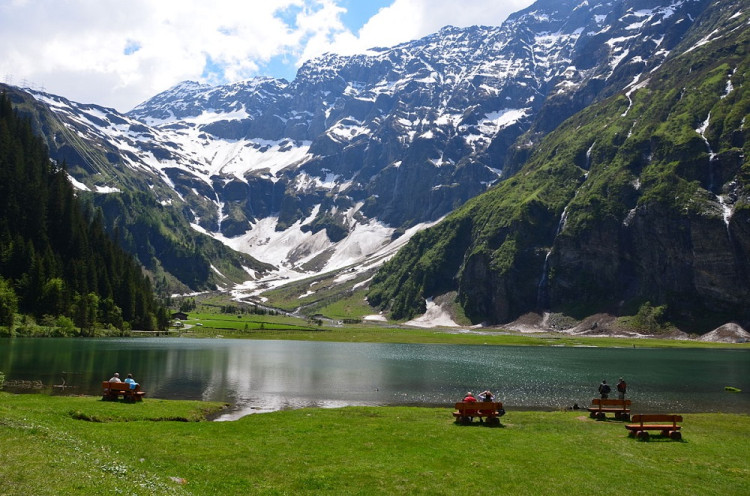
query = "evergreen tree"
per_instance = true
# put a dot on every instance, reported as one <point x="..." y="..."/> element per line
<point x="55" y="256"/>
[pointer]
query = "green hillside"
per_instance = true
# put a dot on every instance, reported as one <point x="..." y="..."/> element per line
<point x="625" y="204"/>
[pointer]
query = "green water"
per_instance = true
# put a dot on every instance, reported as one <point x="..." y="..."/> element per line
<point x="257" y="376"/>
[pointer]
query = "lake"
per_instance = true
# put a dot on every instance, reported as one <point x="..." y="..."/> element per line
<point x="261" y="376"/>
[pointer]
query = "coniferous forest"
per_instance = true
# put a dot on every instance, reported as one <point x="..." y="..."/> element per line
<point x="58" y="267"/>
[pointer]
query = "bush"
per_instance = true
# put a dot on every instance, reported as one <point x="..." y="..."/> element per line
<point x="650" y="318"/>
<point x="8" y="303"/>
<point x="65" y="326"/>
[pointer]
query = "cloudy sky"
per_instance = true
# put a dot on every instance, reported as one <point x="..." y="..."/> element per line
<point x="120" y="53"/>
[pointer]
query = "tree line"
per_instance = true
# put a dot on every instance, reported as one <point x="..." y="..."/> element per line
<point x="56" y="259"/>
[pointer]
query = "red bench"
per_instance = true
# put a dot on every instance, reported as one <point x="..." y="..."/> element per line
<point x="111" y="391"/>
<point x="490" y="410"/>
<point x="600" y="407"/>
<point x="644" y="423"/>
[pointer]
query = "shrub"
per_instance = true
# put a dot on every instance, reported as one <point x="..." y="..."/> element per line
<point x="650" y="318"/>
<point x="8" y="303"/>
<point x="65" y="326"/>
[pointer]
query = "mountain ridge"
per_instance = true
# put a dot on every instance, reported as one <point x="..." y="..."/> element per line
<point x="357" y="153"/>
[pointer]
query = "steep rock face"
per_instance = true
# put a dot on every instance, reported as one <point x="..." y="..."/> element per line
<point x="643" y="198"/>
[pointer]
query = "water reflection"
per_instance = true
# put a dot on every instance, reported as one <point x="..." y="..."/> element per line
<point x="260" y="376"/>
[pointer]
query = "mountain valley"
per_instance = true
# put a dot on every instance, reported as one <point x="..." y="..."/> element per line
<point x="582" y="158"/>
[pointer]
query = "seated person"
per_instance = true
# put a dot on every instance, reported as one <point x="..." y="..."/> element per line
<point x="129" y="379"/>
<point x="115" y="378"/>
<point x="469" y="398"/>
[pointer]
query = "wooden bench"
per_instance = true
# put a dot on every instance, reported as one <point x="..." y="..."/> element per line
<point x="600" y="408"/>
<point x="644" y="423"/>
<point x="490" y="410"/>
<point x="111" y="391"/>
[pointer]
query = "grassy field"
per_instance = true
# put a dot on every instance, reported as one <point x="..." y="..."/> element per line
<point x="214" y="326"/>
<point x="207" y="321"/>
<point x="247" y="322"/>
<point x="81" y="445"/>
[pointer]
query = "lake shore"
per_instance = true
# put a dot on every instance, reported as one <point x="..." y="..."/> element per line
<point x="81" y="445"/>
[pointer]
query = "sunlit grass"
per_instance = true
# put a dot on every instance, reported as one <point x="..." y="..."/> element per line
<point x="132" y="449"/>
<point x="369" y="333"/>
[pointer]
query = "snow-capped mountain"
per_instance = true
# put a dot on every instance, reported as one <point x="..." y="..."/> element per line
<point x="334" y="167"/>
<point x="636" y="207"/>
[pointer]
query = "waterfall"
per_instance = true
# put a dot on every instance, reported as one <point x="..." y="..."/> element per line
<point x="726" y="212"/>
<point x="221" y="216"/>
<point x="712" y="159"/>
<point x="588" y="160"/>
<point x="542" y="294"/>
<point x="711" y="155"/>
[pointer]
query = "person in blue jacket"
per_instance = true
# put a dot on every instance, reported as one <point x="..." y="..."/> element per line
<point x="129" y="379"/>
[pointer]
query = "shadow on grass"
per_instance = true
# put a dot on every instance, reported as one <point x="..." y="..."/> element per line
<point x="479" y="424"/>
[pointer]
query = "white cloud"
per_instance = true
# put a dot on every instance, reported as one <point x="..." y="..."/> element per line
<point x="406" y="20"/>
<point x="119" y="53"/>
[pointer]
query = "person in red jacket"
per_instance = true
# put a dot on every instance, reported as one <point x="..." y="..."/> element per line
<point x="469" y="398"/>
<point x="622" y="388"/>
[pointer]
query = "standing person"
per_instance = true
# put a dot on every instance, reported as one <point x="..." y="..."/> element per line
<point x="604" y="389"/>
<point x="622" y="387"/>
<point x="115" y="378"/>
<point x="129" y="379"/>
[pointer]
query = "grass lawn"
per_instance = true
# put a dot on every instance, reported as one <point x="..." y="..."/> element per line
<point x="81" y="445"/>
<point x="232" y="327"/>
<point x="246" y="322"/>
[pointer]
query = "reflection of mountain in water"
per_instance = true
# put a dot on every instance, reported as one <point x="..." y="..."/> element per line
<point x="261" y="376"/>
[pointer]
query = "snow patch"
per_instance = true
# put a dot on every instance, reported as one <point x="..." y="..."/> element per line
<point x="495" y="121"/>
<point x="77" y="184"/>
<point x="107" y="189"/>
<point x="375" y="318"/>
<point x="435" y="316"/>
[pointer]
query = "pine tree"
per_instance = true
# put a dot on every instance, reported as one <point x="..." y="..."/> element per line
<point x="55" y="256"/>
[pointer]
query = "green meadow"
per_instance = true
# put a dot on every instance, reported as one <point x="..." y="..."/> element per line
<point x="252" y="327"/>
<point x="52" y="445"/>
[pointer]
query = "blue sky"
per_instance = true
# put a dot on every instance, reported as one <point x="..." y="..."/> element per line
<point x="357" y="13"/>
<point x="118" y="54"/>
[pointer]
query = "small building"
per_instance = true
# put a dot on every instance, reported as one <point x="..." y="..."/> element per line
<point x="180" y="316"/>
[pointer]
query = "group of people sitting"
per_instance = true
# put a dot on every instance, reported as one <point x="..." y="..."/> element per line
<point x="129" y="380"/>
<point x="485" y="396"/>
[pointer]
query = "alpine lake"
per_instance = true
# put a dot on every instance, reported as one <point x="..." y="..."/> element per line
<point x="256" y="376"/>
